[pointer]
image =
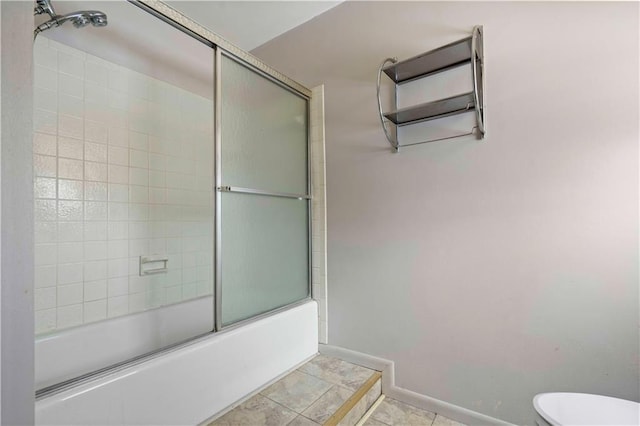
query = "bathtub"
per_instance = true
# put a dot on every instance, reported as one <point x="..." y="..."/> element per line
<point x="70" y="353"/>
<point x="190" y="384"/>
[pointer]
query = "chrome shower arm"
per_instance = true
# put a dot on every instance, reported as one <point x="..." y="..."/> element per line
<point x="44" y="6"/>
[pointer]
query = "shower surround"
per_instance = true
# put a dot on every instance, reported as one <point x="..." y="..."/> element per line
<point x="123" y="168"/>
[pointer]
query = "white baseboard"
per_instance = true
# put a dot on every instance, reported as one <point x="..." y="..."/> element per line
<point x="454" y="412"/>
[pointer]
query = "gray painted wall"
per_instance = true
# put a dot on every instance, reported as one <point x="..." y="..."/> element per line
<point x="488" y="271"/>
<point x="16" y="214"/>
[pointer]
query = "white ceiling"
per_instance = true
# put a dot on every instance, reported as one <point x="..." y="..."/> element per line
<point x="248" y="24"/>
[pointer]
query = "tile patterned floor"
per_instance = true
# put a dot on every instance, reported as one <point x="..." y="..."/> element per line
<point x="306" y="397"/>
<point x="395" y="413"/>
<point x="311" y="394"/>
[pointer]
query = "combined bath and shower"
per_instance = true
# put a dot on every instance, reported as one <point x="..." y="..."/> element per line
<point x="78" y="19"/>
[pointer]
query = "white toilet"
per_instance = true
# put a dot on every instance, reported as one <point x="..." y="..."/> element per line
<point x="564" y="408"/>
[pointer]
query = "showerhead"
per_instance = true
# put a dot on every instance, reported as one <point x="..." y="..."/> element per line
<point x="84" y="18"/>
<point x="78" y="19"/>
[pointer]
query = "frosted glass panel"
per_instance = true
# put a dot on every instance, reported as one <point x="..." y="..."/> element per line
<point x="264" y="254"/>
<point x="264" y="133"/>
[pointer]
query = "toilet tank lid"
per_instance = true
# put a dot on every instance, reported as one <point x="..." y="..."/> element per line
<point x="566" y="408"/>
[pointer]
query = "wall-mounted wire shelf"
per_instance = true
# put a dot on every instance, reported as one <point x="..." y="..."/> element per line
<point x="464" y="51"/>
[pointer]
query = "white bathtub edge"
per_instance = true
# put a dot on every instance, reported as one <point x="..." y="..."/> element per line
<point x="191" y="384"/>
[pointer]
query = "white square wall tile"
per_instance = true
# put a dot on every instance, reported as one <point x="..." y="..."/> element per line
<point x="96" y="270"/>
<point x="45" y="320"/>
<point x="138" y="141"/>
<point x="95" y="171"/>
<point x="118" y="248"/>
<point x="70" y="294"/>
<point x="95" y="290"/>
<point x="70" y="105"/>
<point x="118" y="193"/>
<point x="138" y="176"/>
<point x="44" y="144"/>
<point x="139" y="194"/>
<point x="45" y="188"/>
<point x="95" y="211"/>
<point x="45" y="276"/>
<point x="95" y="94"/>
<point x="45" y="210"/>
<point x="70" y="189"/>
<point x="70" y="253"/>
<point x="118" y="230"/>
<point x="45" y="122"/>
<point x="46" y="232"/>
<point x="70" y="210"/>
<point x="44" y="298"/>
<point x="118" y="286"/>
<point x="45" y="78"/>
<point x="118" y="268"/>
<point x="96" y="152"/>
<point x="70" y="169"/>
<point x="95" y="311"/>
<point x="71" y="64"/>
<point x="96" y="73"/>
<point x="70" y="231"/>
<point x="95" y="131"/>
<point x="95" y="191"/>
<point x="45" y="99"/>
<point x="70" y="126"/>
<point x="118" y="211"/>
<point x="46" y="254"/>
<point x="95" y="231"/>
<point x="139" y="158"/>
<point x="138" y="211"/>
<point x="118" y="136"/>
<point x="45" y="56"/>
<point x="118" y="155"/>
<point x="70" y="148"/>
<point x="118" y="174"/>
<point x="137" y="302"/>
<point x="117" y="306"/>
<point x="69" y="273"/>
<point x="69" y="316"/>
<point x="44" y="166"/>
<point x="95" y="250"/>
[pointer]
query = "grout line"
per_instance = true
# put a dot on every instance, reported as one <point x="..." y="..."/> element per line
<point x="282" y="405"/>
<point x="317" y="399"/>
<point x="353" y="400"/>
<point x="370" y="411"/>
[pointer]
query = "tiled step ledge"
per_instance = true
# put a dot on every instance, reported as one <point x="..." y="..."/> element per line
<point x="324" y="390"/>
<point x="454" y="412"/>
<point x="358" y="404"/>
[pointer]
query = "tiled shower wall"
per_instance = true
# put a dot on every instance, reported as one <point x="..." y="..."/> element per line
<point x="123" y="167"/>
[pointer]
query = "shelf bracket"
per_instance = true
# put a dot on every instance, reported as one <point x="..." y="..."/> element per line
<point x="383" y="120"/>
<point x="475" y="58"/>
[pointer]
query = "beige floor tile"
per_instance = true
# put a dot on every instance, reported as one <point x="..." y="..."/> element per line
<point x="373" y="422"/>
<point x="396" y="413"/>
<point x="327" y="404"/>
<point x="297" y="391"/>
<point x="338" y="372"/>
<point x="303" y="421"/>
<point x="257" y="411"/>
<point x="444" y="421"/>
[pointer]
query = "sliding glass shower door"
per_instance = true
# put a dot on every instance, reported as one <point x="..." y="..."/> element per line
<point x="263" y="195"/>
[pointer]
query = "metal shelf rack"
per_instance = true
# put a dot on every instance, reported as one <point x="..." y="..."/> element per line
<point x="468" y="50"/>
